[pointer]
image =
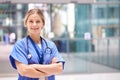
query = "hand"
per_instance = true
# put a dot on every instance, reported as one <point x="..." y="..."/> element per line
<point x="54" y="60"/>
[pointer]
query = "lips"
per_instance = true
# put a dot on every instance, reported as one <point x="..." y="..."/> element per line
<point x="34" y="28"/>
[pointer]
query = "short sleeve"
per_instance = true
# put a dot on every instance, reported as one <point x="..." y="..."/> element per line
<point x="56" y="54"/>
<point x="18" y="53"/>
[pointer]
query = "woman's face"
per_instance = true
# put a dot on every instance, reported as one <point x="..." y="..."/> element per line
<point x="34" y="24"/>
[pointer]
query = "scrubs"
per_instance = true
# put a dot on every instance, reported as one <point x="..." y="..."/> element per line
<point x="20" y="53"/>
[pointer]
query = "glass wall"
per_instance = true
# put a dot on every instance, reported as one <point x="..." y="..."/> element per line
<point x="88" y="31"/>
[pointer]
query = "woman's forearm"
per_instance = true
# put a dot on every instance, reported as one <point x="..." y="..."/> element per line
<point x="50" y="69"/>
<point x="29" y="71"/>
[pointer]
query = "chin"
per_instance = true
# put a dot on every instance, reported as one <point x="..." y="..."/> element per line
<point x="35" y="33"/>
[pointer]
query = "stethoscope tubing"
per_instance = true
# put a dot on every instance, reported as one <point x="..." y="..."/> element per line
<point x="29" y="56"/>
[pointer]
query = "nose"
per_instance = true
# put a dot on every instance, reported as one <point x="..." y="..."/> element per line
<point x="34" y="23"/>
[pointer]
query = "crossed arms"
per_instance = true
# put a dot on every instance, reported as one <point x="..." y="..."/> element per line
<point x="38" y="70"/>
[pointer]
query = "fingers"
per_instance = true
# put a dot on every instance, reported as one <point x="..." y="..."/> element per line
<point x="54" y="60"/>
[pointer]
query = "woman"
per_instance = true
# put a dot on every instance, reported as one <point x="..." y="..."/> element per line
<point x="34" y="57"/>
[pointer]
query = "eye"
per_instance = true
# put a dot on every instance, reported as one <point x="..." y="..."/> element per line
<point x="37" y="21"/>
<point x="30" y="21"/>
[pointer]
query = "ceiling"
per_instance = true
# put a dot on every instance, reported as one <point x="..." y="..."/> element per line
<point x="47" y="1"/>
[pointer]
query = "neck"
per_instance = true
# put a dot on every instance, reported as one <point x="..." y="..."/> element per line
<point x="36" y="39"/>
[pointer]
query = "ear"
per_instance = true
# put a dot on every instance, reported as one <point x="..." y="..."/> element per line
<point x="42" y="26"/>
<point x="25" y="25"/>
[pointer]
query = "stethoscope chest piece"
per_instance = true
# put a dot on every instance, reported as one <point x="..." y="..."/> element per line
<point x="48" y="50"/>
<point x="29" y="56"/>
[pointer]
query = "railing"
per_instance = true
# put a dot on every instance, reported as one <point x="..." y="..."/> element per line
<point x="105" y="51"/>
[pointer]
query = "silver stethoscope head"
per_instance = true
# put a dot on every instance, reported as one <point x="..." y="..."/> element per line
<point x="29" y="56"/>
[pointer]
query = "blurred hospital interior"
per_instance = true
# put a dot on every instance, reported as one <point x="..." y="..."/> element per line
<point x="86" y="33"/>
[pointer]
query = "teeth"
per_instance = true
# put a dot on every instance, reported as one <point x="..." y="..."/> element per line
<point x="34" y="28"/>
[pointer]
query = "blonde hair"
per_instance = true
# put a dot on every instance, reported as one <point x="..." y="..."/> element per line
<point x="34" y="11"/>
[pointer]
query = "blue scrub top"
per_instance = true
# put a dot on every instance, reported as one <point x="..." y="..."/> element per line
<point x="20" y="54"/>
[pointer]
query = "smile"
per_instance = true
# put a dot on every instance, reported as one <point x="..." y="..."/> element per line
<point x="34" y="28"/>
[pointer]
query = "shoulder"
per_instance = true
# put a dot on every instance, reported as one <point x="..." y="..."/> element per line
<point x="50" y="42"/>
<point x="20" y="42"/>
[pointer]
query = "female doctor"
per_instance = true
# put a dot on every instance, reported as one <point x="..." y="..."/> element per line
<point x="34" y="57"/>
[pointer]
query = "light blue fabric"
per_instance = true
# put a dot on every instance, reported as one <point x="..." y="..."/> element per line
<point x="19" y="53"/>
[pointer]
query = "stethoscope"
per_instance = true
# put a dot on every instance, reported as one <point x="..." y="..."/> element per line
<point x="45" y="51"/>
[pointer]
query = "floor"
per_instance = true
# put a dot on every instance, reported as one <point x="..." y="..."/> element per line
<point x="94" y="76"/>
<point x="75" y="68"/>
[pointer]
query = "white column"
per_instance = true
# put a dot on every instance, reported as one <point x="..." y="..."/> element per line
<point x="71" y="19"/>
<point x="19" y="21"/>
